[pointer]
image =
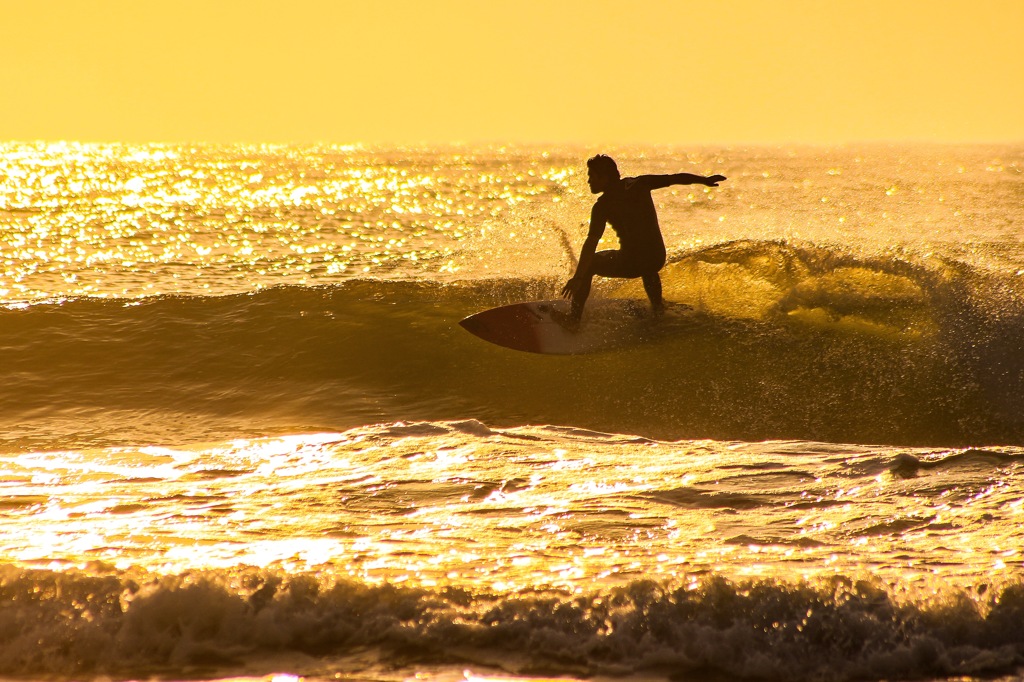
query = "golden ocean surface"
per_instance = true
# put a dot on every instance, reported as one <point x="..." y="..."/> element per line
<point x="244" y="435"/>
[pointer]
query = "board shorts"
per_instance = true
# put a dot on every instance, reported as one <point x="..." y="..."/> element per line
<point x="622" y="264"/>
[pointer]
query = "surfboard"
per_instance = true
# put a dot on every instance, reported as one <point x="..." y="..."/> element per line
<point x="530" y="327"/>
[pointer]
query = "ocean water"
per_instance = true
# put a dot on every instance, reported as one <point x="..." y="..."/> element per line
<point x="242" y="435"/>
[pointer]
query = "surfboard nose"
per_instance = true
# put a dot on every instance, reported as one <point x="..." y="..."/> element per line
<point x="473" y="324"/>
<point x="512" y="326"/>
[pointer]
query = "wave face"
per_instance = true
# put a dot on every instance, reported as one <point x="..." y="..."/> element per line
<point x="782" y="342"/>
<point x="69" y="624"/>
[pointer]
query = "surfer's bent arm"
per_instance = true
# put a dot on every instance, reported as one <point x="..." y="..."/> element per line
<point x="659" y="181"/>
<point x="597" y="225"/>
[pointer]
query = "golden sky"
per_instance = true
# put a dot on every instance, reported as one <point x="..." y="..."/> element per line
<point x="597" y="71"/>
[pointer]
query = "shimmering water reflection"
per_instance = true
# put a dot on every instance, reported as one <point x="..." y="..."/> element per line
<point x="115" y="220"/>
<point x="530" y="508"/>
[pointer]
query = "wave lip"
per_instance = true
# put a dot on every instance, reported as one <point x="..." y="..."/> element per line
<point x="215" y="623"/>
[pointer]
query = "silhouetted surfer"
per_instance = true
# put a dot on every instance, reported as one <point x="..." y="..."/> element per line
<point x="626" y="205"/>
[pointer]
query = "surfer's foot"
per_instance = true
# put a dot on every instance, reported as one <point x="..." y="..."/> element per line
<point x="567" y="321"/>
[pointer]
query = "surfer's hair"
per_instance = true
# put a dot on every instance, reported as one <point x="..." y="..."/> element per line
<point x="603" y="164"/>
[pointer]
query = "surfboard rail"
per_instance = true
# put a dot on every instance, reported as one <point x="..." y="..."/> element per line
<point x="531" y="327"/>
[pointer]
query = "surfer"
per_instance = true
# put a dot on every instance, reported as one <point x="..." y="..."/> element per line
<point x="625" y="204"/>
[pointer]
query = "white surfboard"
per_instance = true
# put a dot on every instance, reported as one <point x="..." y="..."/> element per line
<point x="530" y="327"/>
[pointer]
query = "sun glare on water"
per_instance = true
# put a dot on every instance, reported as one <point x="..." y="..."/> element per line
<point x="496" y="514"/>
<point x="130" y="221"/>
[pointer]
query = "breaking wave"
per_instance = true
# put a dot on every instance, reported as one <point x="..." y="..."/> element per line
<point x="782" y="341"/>
<point x="79" y="623"/>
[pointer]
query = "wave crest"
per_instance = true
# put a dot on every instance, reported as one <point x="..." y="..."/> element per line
<point x="75" y="623"/>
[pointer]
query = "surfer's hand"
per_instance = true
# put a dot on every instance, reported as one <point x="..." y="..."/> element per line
<point x="713" y="180"/>
<point x="569" y="290"/>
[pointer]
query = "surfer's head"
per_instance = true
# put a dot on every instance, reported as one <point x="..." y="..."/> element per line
<point x="601" y="172"/>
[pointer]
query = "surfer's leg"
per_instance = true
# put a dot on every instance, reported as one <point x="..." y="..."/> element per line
<point x="606" y="264"/>
<point x="652" y="285"/>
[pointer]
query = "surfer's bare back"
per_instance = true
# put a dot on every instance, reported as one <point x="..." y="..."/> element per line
<point x="625" y="204"/>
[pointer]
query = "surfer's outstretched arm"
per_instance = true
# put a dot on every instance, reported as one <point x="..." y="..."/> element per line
<point x="659" y="181"/>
